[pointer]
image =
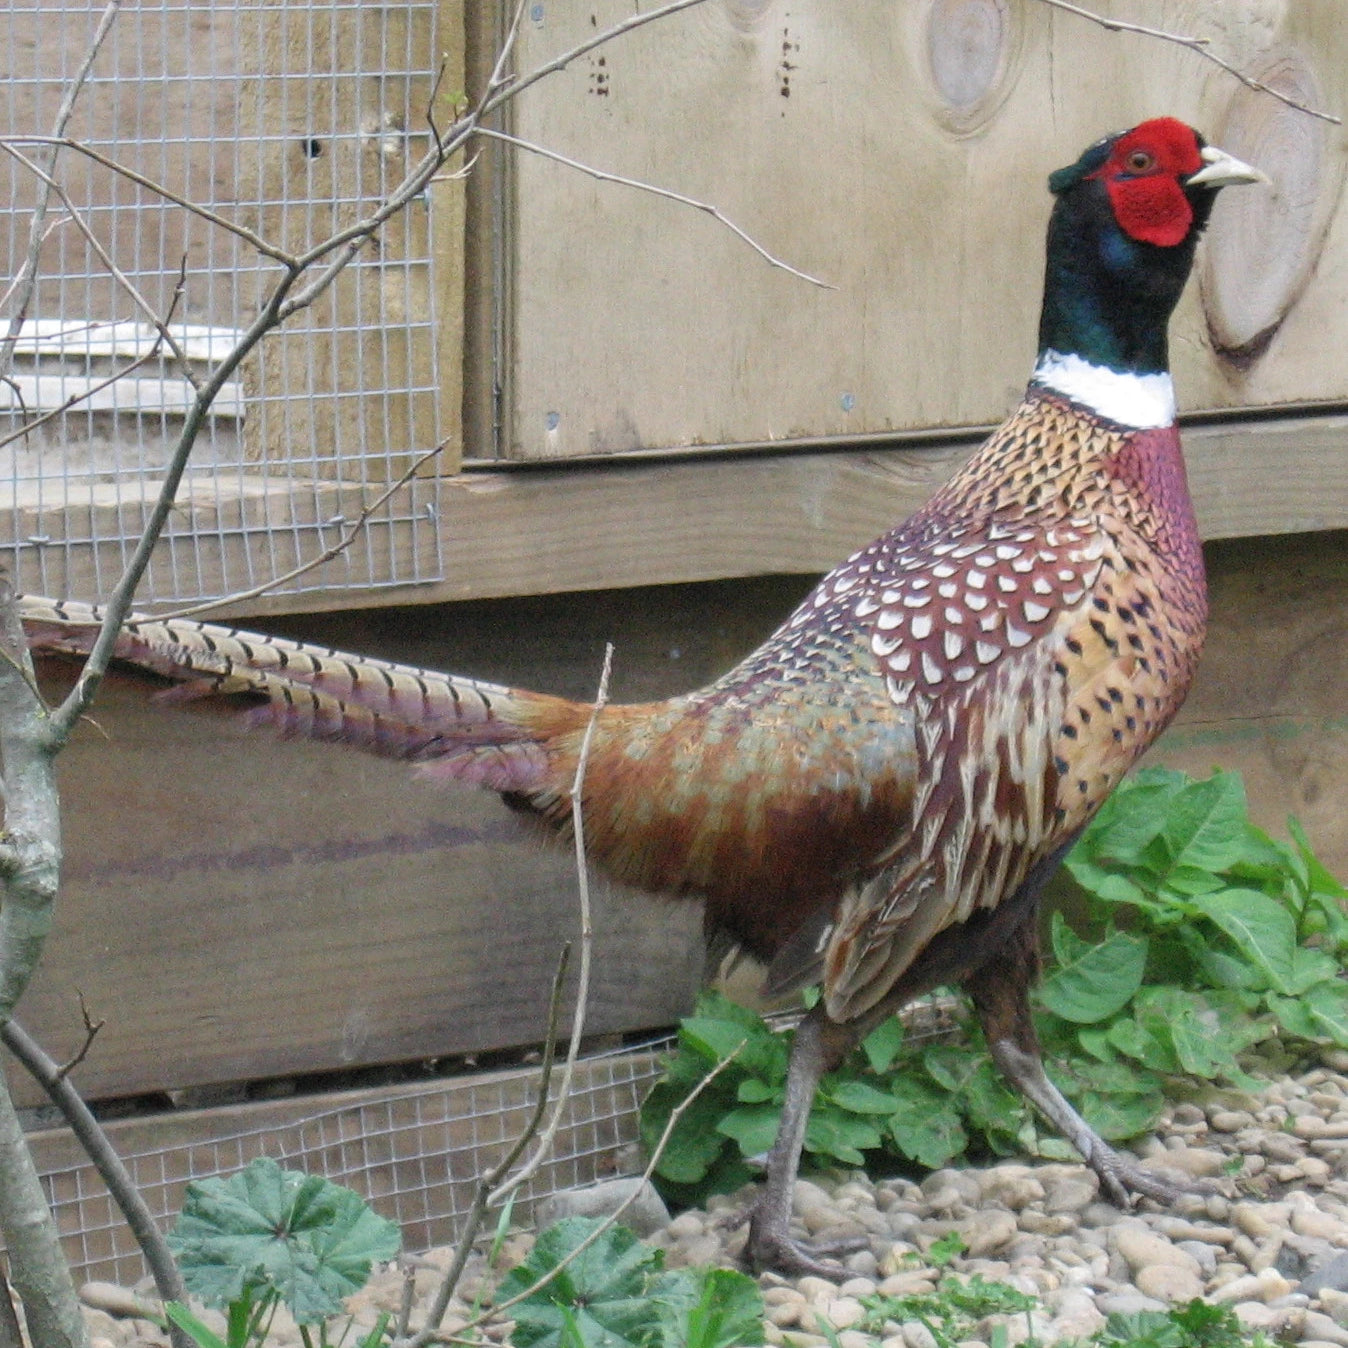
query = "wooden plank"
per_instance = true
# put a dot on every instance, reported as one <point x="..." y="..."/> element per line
<point x="697" y="518"/>
<point x="414" y="1151"/>
<point x="653" y="523"/>
<point x="870" y="146"/>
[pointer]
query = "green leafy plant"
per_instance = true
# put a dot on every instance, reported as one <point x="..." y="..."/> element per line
<point x="1197" y="1325"/>
<point x="615" y="1293"/>
<point x="950" y="1312"/>
<point x="268" y="1237"/>
<point x="1200" y="937"/>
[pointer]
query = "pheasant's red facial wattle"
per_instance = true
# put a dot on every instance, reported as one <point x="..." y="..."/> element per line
<point x="1143" y="178"/>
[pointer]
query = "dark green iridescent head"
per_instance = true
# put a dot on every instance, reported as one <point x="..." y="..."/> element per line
<point x="1121" y="242"/>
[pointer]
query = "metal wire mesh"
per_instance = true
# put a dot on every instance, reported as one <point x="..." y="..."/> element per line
<point x="292" y="120"/>
<point x="415" y="1154"/>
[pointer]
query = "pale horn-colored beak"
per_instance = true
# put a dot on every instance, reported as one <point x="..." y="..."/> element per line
<point x="1223" y="170"/>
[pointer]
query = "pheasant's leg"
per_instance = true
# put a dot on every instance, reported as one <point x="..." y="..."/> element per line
<point x="819" y="1046"/>
<point x="1000" y="989"/>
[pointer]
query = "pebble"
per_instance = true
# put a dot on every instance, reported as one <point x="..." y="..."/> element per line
<point x="1169" y="1283"/>
<point x="1276" y="1165"/>
<point x="643" y="1210"/>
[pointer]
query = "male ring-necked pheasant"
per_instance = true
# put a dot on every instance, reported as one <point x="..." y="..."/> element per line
<point x="874" y="798"/>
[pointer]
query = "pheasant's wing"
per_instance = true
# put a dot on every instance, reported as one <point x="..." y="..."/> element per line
<point x="1014" y="763"/>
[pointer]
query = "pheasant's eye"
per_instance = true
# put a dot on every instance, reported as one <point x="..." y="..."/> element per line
<point x="1140" y="162"/>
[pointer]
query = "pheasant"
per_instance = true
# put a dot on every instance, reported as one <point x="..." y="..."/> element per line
<point x="874" y="799"/>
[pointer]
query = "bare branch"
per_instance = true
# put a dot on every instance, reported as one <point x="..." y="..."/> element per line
<point x="114" y="270"/>
<point x="91" y="1029"/>
<point x="28" y="427"/>
<point x="664" y="192"/>
<point x="530" y="1168"/>
<point x="611" y="1220"/>
<point x="486" y="1186"/>
<point x="498" y="73"/>
<point x="251" y="238"/>
<point x="510" y="88"/>
<point x="1201" y="45"/>
<point x="63" y="720"/>
<point x="90" y="1135"/>
<point x="27" y="276"/>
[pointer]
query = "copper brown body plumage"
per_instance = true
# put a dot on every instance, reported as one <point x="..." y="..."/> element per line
<point x="873" y="799"/>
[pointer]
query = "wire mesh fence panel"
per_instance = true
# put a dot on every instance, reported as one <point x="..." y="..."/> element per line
<point x="201" y="129"/>
<point x="415" y="1153"/>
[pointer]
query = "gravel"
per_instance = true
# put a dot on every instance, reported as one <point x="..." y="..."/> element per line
<point x="1270" y="1239"/>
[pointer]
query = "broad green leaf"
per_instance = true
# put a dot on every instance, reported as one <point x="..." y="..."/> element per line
<point x="708" y="1308"/>
<point x="844" y="1137"/>
<point x="694" y="1145"/>
<point x="714" y="1039"/>
<point x="1067" y="946"/>
<point x="310" y="1240"/>
<point x="1120" y="1117"/>
<point x="1328" y="1003"/>
<point x="1310" y="966"/>
<point x="753" y="1127"/>
<point x="1104" y="883"/>
<point x="993" y="1108"/>
<point x="1261" y="929"/>
<point x="857" y="1097"/>
<point x="1136" y="1040"/>
<point x="1140" y="814"/>
<point x="1316" y="873"/>
<point x="926" y="1127"/>
<point x="1095" y="1040"/>
<point x="1098" y="982"/>
<point x="883" y="1043"/>
<point x="752" y="1091"/>
<point x="951" y="1065"/>
<point x="601" y="1296"/>
<point x="1205" y="823"/>
<point x="1186" y="880"/>
<point x="1295" y="1016"/>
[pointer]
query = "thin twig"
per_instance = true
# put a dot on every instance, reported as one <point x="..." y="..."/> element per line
<point x="27" y="277"/>
<point x="499" y="77"/>
<point x="665" y="192"/>
<point x="327" y="555"/>
<point x="508" y="89"/>
<point x="486" y="1186"/>
<point x="250" y="237"/>
<point x="75" y="399"/>
<point x="114" y="270"/>
<point x="1201" y="45"/>
<point x="611" y="1219"/>
<point x="91" y="1029"/>
<point x="544" y="1146"/>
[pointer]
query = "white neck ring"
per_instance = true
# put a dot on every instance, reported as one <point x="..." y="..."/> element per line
<point x="1140" y="401"/>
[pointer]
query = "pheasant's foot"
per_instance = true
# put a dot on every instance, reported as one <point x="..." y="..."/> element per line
<point x="781" y="1252"/>
<point x="1123" y="1179"/>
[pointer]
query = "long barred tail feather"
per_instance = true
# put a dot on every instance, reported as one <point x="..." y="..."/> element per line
<point x="461" y="728"/>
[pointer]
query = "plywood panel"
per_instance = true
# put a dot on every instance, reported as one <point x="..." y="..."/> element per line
<point x="858" y="143"/>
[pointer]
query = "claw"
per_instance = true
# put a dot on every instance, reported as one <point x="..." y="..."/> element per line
<point x="1121" y="1181"/>
<point x="784" y="1254"/>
